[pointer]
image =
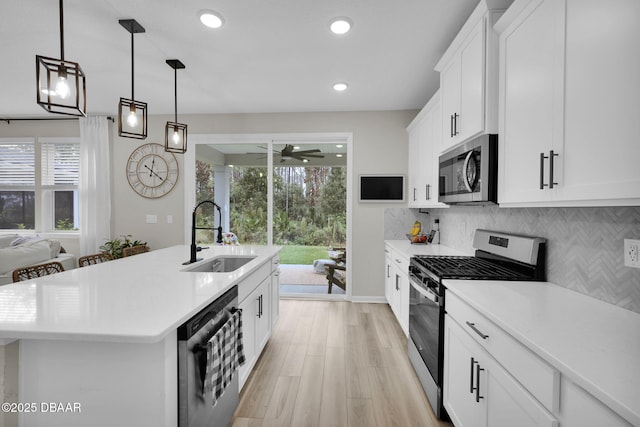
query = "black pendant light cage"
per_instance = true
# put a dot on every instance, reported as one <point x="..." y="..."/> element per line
<point x="132" y="114"/>
<point x="61" y="85"/>
<point x="175" y="134"/>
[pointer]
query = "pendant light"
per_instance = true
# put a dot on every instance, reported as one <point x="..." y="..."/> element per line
<point x="61" y="85"/>
<point x="175" y="134"/>
<point x="132" y="114"/>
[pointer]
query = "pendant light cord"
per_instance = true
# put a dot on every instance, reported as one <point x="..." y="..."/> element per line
<point x="61" y="32"/>
<point x="175" y="89"/>
<point x="132" y="64"/>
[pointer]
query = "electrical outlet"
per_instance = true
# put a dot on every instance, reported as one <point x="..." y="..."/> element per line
<point x="631" y="253"/>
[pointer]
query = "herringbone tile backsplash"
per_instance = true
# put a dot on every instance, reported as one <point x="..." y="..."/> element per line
<point x="585" y="246"/>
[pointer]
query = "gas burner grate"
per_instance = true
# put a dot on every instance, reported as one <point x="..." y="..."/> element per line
<point x="467" y="267"/>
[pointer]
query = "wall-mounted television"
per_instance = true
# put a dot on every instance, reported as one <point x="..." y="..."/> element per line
<point x="382" y="188"/>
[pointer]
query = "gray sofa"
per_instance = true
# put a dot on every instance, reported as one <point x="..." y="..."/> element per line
<point x="23" y="251"/>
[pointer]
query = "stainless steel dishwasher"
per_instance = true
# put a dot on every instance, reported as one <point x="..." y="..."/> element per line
<point x="194" y="409"/>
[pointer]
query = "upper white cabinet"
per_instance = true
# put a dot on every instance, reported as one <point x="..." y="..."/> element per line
<point x="468" y="77"/>
<point x="424" y="150"/>
<point x="569" y="92"/>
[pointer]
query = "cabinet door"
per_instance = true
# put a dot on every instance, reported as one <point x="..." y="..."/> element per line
<point x="601" y="148"/>
<point x="508" y="403"/>
<point x="275" y="297"/>
<point x="450" y="92"/>
<point x="388" y="277"/>
<point x="403" y="301"/>
<point x="531" y="94"/>
<point x="416" y="152"/>
<point x="249" y="312"/>
<point x="472" y="86"/>
<point x="460" y="364"/>
<point x="263" y="317"/>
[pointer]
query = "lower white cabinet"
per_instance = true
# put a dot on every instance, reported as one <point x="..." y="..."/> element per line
<point x="256" y="325"/>
<point x="396" y="289"/>
<point x="479" y="392"/>
<point x="275" y="290"/>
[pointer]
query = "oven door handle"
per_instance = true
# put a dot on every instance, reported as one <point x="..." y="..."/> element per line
<point x="429" y="294"/>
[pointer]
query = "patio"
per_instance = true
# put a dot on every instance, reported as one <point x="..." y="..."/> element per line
<point x="300" y="278"/>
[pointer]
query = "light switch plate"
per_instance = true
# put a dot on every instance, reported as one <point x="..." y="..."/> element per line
<point x="632" y="253"/>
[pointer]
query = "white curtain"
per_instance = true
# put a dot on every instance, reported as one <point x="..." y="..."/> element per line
<point x="94" y="186"/>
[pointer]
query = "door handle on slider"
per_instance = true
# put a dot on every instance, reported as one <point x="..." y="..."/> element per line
<point x="473" y="326"/>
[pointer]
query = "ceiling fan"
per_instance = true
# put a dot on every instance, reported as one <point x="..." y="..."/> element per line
<point x="289" y="152"/>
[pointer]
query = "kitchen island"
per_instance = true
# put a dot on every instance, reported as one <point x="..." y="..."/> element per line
<point x="98" y="345"/>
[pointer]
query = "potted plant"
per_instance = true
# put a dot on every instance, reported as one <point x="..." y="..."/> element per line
<point x="115" y="246"/>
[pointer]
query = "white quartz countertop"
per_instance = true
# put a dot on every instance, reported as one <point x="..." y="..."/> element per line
<point x="593" y="343"/>
<point x="404" y="247"/>
<point x="135" y="299"/>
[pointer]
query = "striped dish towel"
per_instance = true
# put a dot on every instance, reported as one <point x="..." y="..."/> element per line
<point x="225" y="354"/>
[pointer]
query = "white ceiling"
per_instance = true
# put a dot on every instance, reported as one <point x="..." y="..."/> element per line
<point x="270" y="56"/>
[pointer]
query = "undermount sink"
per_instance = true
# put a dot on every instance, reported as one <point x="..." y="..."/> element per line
<point x="221" y="264"/>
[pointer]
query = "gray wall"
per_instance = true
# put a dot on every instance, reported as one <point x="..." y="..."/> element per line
<point x="585" y="246"/>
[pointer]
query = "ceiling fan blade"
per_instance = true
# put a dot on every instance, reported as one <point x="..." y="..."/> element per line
<point x="314" y="156"/>
<point x="307" y="151"/>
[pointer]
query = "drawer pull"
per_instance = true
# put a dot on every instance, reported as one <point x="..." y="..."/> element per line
<point x="473" y="326"/>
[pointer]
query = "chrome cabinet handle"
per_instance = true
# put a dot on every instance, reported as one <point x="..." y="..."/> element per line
<point x="388" y="270"/>
<point x="414" y="194"/>
<point x="478" y="397"/>
<point x="428" y="187"/>
<point x="397" y="280"/>
<point x="551" y="156"/>
<point x="473" y="326"/>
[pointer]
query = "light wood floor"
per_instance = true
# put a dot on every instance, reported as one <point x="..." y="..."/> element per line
<point x="334" y="363"/>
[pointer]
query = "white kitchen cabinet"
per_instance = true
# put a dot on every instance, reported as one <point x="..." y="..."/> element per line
<point x="478" y="391"/>
<point x="568" y="102"/>
<point x="256" y="326"/>
<point x="468" y="77"/>
<point x="581" y="409"/>
<point x="275" y="290"/>
<point x="397" y="286"/>
<point x="424" y="150"/>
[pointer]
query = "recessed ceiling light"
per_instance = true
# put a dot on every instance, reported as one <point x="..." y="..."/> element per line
<point x="338" y="155"/>
<point x="340" y="25"/>
<point x="340" y="87"/>
<point x="339" y="145"/>
<point x="305" y="160"/>
<point x="296" y="147"/>
<point x="211" y="19"/>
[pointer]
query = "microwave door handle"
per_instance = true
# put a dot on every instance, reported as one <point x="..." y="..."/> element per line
<point x="464" y="171"/>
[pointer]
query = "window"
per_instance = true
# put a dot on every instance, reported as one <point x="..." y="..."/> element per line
<point x="39" y="176"/>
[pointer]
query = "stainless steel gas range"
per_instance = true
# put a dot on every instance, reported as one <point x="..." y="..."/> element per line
<point x="498" y="256"/>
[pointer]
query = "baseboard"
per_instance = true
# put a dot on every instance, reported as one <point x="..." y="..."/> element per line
<point x="368" y="299"/>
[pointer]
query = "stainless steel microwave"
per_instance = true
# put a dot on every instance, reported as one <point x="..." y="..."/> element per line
<point x="469" y="172"/>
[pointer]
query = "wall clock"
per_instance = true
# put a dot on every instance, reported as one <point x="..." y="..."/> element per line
<point x="151" y="171"/>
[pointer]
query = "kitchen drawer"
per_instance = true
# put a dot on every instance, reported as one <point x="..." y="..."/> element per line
<point x="539" y="378"/>
<point x="400" y="261"/>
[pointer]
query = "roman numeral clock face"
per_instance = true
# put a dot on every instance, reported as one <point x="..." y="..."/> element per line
<point x="151" y="171"/>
